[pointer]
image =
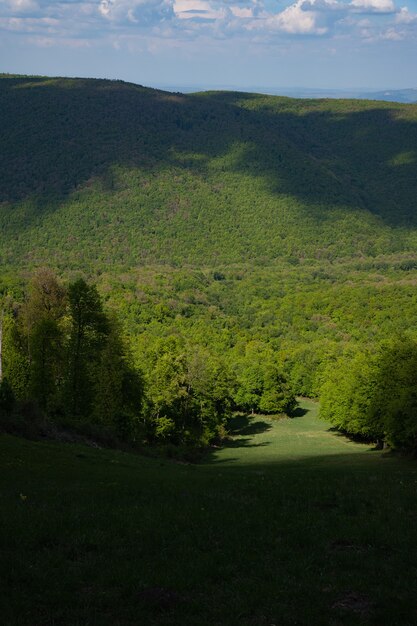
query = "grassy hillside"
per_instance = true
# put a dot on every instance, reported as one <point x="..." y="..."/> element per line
<point x="98" y="173"/>
<point x="290" y="525"/>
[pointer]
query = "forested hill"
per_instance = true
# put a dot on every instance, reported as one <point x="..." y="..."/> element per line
<point x="234" y="250"/>
<point x="96" y="174"/>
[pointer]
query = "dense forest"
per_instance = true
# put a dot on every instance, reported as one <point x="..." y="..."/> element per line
<point x="206" y="253"/>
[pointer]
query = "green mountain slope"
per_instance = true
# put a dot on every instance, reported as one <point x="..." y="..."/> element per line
<point x="238" y="223"/>
<point x="98" y="173"/>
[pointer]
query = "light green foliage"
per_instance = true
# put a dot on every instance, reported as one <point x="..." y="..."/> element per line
<point x="165" y="428"/>
<point x="348" y="395"/>
<point x="188" y="393"/>
<point x="277" y="396"/>
<point x="262" y="386"/>
<point x="395" y="399"/>
<point x="374" y="394"/>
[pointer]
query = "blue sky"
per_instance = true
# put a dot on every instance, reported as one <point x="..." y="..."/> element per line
<point x="369" y="44"/>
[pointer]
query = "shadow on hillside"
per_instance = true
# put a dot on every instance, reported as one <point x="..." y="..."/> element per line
<point x="359" y="459"/>
<point x="244" y="442"/>
<point x="242" y="429"/>
<point x="327" y="154"/>
<point x="247" y="425"/>
<point x="298" y="412"/>
<point x="355" y="438"/>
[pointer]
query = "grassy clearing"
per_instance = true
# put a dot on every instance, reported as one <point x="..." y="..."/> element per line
<point x="291" y="524"/>
<point x="265" y="441"/>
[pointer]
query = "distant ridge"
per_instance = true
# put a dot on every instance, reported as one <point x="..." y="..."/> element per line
<point x="407" y="96"/>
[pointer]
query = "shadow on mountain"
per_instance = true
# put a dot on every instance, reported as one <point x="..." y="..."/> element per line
<point x="59" y="135"/>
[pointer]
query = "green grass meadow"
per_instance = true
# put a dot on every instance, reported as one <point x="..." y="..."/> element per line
<point x="289" y="524"/>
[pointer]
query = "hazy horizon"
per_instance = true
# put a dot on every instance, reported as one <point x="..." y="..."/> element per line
<point x="404" y="94"/>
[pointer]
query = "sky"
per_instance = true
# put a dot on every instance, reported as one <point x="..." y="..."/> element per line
<point x="318" y="44"/>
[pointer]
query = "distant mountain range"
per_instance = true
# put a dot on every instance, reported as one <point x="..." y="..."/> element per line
<point x="390" y="95"/>
<point x="407" y="96"/>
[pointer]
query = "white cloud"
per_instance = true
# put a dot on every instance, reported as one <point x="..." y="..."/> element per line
<point x="197" y="9"/>
<point x="296" y="20"/>
<point x="242" y="12"/>
<point x="405" y="17"/>
<point x="373" y="6"/>
<point x="391" y="34"/>
<point x="105" y="7"/>
<point x="49" y="42"/>
<point x="136" y="11"/>
<point x="121" y="22"/>
<point x="30" y="25"/>
<point x="22" y="6"/>
<point x="307" y="17"/>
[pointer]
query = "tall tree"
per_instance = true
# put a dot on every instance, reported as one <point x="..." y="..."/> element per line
<point x="88" y="332"/>
<point x="43" y="318"/>
<point x="118" y="386"/>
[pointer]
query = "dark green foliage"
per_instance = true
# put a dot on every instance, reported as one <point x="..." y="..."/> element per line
<point x="15" y="357"/>
<point x="7" y="398"/>
<point x="88" y="333"/>
<point x="117" y="387"/>
<point x="66" y="360"/>
<point x="46" y="364"/>
<point x="41" y="319"/>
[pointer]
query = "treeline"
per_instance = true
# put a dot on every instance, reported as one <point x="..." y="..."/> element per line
<point x="373" y="394"/>
<point x="176" y="370"/>
<point x="66" y="359"/>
